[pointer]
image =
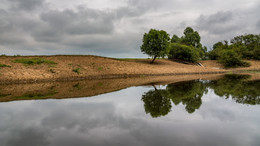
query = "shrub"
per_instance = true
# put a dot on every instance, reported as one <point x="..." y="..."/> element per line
<point x="76" y="70"/>
<point x="229" y="58"/>
<point x="183" y="52"/>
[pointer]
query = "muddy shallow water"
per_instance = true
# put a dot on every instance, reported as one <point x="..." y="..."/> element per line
<point x="220" y="110"/>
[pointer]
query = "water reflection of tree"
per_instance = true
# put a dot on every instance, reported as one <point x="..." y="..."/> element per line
<point x="156" y="102"/>
<point x="238" y="88"/>
<point x="187" y="93"/>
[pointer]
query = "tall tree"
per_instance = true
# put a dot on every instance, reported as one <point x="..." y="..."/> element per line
<point x="155" y="43"/>
<point x="175" y="39"/>
<point x="191" y="38"/>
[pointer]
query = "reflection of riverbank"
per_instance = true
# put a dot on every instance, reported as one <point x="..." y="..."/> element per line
<point x="87" y="88"/>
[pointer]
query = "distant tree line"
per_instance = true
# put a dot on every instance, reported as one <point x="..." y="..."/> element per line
<point x="240" y="47"/>
<point x="157" y="43"/>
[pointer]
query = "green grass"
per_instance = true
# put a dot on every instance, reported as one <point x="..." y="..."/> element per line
<point x="4" y="65"/>
<point x="100" y="68"/>
<point x="33" y="61"/>
<point x="76" y="70"/>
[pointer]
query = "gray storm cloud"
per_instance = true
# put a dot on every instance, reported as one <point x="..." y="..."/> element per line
<point x="41" y="27"/>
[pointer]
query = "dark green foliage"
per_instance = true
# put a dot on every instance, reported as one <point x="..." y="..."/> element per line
<point x="155" y="43"/>
<point x="175" y="39"/>
<point x="33" y="61"/>
<point x="229" y="58"/>
<point x="156" y="103"/>
<point x="183" y="52"/>
<point x="238" y="88"/>
<point x="4" y="65"/>
<point x="191" y="38"/>
<point x="76" y="70"/>
<point x="246" y="46"/>
<point x="249" y="44"/>
<point x="188" y="93"/>
<point x="256" y="54"/>
<point x="188" y="47"/>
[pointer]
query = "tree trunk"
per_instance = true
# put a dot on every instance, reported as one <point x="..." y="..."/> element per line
<point x="154" y="87"/>
<point x="153" y="59"/>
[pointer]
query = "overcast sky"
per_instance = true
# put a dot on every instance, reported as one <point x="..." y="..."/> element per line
<point x="114" y="28"/>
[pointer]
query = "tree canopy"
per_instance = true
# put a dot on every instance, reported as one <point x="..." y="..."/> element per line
<point x="188" y="47"/>
<point x="155" y="43"/>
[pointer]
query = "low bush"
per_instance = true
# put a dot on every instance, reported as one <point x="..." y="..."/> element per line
<point x="183" y="52"/>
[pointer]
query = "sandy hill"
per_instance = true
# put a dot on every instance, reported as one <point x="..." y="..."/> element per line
<point x="80" y="67"/>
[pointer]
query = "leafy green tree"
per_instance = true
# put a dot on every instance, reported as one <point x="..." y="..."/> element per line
<point x="156" y="103"/>
<point x="249" y="45"/>
<point x="155" y="43"/>
<point x="175" y="39"/>
<point x="188" y="47"/>
<point x="215" y="53"/>
<point x="191" y="38"/>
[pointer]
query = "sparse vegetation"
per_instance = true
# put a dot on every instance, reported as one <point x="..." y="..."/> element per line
<point x="76" y="70"/>
<point x="33" y="61"/>
<point x="100" y="68"/>
<point x="52" y="70"/>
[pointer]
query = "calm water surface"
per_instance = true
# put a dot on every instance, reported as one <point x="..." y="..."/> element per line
<point x="223" y="112"/>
